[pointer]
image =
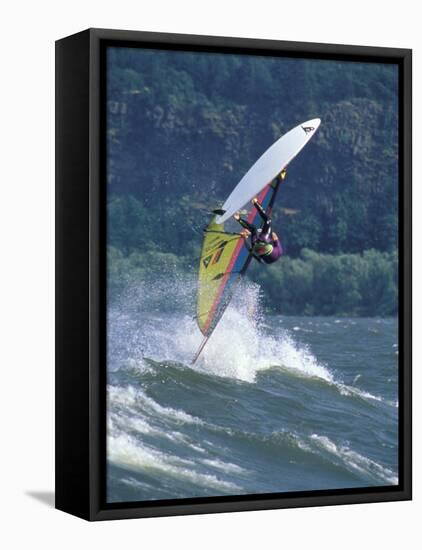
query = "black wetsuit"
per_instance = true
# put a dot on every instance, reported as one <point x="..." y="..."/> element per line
<point x="263" y="235"/>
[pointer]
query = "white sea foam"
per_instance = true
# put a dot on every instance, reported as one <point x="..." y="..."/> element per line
<point x="351" y="390"/>
<point x="227" y="467"/>
<point x="132" y="414"/>
<point x="356" y="378"/>
<point x="353" y="460"/>
<point x="136" y="424"/>
<point x="126" y="452"/>
<point x="132" y="397"/>
<point x="132" y="482"/>
<point x="240" y="347"/>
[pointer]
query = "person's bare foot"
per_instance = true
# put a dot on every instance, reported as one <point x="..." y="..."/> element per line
<point x="254" y="200"/>
<point x="245" y="233"/>
<point x="236" y="216"/>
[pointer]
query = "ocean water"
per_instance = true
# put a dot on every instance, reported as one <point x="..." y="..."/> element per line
<point x="275" y="404"/>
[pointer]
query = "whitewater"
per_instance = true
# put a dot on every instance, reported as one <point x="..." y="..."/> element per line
<point x="274" y="404"/>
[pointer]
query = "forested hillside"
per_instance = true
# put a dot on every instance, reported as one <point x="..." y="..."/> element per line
<point x="182" y="130"/>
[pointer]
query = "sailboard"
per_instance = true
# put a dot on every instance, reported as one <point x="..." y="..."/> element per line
<point x="266" y="168"/>
<point x="225" y="257"/>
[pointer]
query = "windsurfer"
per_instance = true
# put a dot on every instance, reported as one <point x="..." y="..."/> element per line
<point x="265" y="245"/>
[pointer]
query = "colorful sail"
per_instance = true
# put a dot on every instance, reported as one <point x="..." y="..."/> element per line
<point x="224" y="259"/>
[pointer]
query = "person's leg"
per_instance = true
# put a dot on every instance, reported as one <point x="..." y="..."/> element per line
<point x="266" y="228"/>
<point x="261" y="211"/>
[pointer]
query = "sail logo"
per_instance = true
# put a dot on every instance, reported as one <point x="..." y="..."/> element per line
<point x="307" y="129"/>
<point x="217" y="255"/>
<point x="206" y="261"/>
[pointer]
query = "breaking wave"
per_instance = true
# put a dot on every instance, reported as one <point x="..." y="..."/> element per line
<point x="259" y="412"/>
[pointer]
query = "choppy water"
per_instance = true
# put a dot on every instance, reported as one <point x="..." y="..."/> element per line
<point x="276" y="403"/>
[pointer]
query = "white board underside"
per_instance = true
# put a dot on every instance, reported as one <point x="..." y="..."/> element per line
<point x="268" y="166"/>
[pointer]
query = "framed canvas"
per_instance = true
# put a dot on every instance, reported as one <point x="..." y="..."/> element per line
<point x="233" y="274"/>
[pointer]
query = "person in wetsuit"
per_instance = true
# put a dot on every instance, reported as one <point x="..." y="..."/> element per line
<point x="265" y="245"/>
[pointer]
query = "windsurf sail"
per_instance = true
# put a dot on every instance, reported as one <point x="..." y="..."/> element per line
<point x="225" y="256"/>
<point x="224" y="260"/>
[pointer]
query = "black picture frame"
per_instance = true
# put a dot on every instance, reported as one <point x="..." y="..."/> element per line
<point x="80" y="275"/>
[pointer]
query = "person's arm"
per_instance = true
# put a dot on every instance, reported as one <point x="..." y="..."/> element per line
<point x="277" y="243"/>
